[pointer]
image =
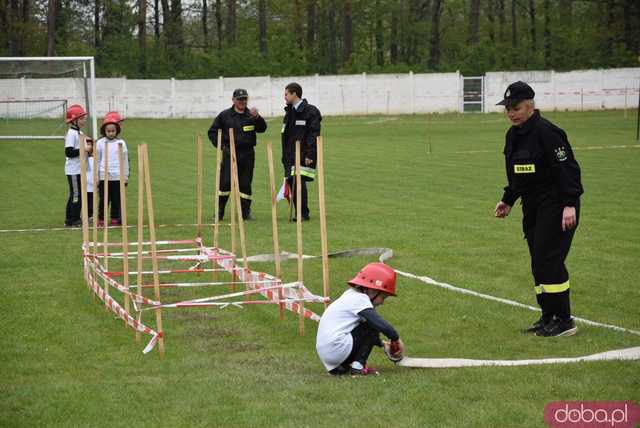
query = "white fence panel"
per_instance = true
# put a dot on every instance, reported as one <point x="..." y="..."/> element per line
<point x="336" y="95"/>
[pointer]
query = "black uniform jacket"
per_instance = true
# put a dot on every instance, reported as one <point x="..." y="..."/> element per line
<point x="244" y="129"/>
<point x="540" y="164"/>
<point x="302" y="124"/>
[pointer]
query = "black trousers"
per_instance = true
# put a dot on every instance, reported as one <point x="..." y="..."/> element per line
<point x="74" y="202"/>
<point x="246" y="162"/>
<point x="548" y="248"/>
<point x="291" y="179"/>
<point x="114" y="200"/>
<point x="90" y="204"/>
<point x="364" y="339"/>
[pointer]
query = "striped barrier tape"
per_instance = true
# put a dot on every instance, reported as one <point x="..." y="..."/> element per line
<point x="121" y="313"/>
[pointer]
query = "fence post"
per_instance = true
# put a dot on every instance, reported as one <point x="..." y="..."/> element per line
<point x="459" y="92"/>
<point x="269" y="96"/>
<point x="365" y="94"/>
<point x="412" y="105"/>
<point x="221" y="93"/>
<point x="173" y="97"/>
<point x="553" y="90"/>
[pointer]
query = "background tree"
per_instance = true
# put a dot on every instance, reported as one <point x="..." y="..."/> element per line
<point x="200" y="39"/>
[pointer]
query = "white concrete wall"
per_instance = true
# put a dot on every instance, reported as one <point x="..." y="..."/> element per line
<point x="337" y="95"/>
<point x="573" y="90"/>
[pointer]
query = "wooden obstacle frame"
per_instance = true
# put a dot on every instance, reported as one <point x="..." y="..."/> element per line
<point x="107" y="269"/>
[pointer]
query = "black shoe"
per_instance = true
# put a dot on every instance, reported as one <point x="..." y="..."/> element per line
<point x="220" y="216"/>
<point x="247" y="216"/>
<point x="557" y="327"/>
<point x="304" y="218"/>
<point x="77" y="223"/>
<point x="538" y="325"/>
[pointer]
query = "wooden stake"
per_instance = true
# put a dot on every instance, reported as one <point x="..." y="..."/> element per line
<point x="105" y="235"/>
<point x="199" y="185"/>
<point x="154" y="254"/>
<point x="299" y="235"/>
<point x="140" y="231"/>
<point x="274" y="226"/>
<point x="232" y="214"/>
<point x="96" y="195"/>
<point x="323" y="221"/>
<point x="83" y="195"/>
<point x="125" y="235"/>
<point x="216" y="202"/>
<point x="236" y="196"/>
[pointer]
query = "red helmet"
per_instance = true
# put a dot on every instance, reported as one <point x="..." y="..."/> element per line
<point x="376" y="276"/>
<point x="74" y="112"/>
<point x="113" y="117"/>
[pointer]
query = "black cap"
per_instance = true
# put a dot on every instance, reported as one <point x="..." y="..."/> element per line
<point x="515" y="93"/>
<point x="240" y="93"/>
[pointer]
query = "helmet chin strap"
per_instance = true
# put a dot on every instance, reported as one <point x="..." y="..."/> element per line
<point x="375" y="297"/>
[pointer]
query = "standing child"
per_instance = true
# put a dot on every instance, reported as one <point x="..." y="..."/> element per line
<point x="90" y="166"/>
<point x="109" y="142"/>
<point x="350" y="327"/>
<point x="76" y="118"/>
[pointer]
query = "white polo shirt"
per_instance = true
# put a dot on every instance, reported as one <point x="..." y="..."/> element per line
<point x="114" y="159"/>
<point x="334" y="341"/>
<point x="72" y="139"/>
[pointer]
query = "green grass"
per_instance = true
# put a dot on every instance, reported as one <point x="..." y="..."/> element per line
<point x="424" y="186"/>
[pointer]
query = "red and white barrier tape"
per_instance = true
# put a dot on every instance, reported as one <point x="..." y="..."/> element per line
<point x="121" y="313"/>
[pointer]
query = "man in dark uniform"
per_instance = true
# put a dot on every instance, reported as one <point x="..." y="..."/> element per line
<point x="542" y="170"/>
<point x="301" y="123"/>
<point x="245" y="123"/>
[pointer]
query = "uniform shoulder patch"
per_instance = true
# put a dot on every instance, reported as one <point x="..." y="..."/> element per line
<point x="561" y="154"/>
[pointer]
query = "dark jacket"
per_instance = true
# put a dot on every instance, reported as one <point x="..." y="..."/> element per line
<point x="540" y="164"/>
<point x="302" y="124"/>
<point x="244" y="129"/>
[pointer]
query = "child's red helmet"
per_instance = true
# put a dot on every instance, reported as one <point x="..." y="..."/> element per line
<point x="74" y="112"/>
<point x="376" y="276"/>
<point x="113" y="117"/>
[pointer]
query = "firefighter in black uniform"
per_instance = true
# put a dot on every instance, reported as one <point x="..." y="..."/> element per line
<point x="542" y="170"/>
<point x="245" y="123"/>
<point x="301" y="123"/>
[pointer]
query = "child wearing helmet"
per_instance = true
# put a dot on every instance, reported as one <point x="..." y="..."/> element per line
<point x="76" y="117"/>
<point x="110" y="131"/>
<point x="350" y="327"/>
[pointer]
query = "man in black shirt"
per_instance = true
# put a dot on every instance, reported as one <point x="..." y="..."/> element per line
<point x="301" y="123"/>
<point x="245" y="123"/>
<point x="542" y="171"/>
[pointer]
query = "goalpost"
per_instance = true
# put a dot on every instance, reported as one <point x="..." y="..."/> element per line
<point x="35" y="93"/>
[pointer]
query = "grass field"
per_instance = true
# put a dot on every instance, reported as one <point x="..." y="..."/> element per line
<point x="423" y="186"/>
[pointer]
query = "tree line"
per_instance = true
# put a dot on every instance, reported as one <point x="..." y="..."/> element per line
<point x="210" y="38"/>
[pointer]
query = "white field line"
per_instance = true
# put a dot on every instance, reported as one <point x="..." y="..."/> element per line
<point x="450" y="287"/>
<point x="381" y="120"/>
<point x="79" y="229"/>
<point x="625" y="146"/>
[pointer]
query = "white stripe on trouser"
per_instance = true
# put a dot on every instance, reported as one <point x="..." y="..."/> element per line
<point x="74" y="186"/>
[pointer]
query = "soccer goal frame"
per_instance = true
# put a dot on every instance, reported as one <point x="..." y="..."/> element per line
<point x="88" y="74"/>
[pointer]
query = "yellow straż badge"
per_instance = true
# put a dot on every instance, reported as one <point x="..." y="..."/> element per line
<point x="524" y="169"/>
